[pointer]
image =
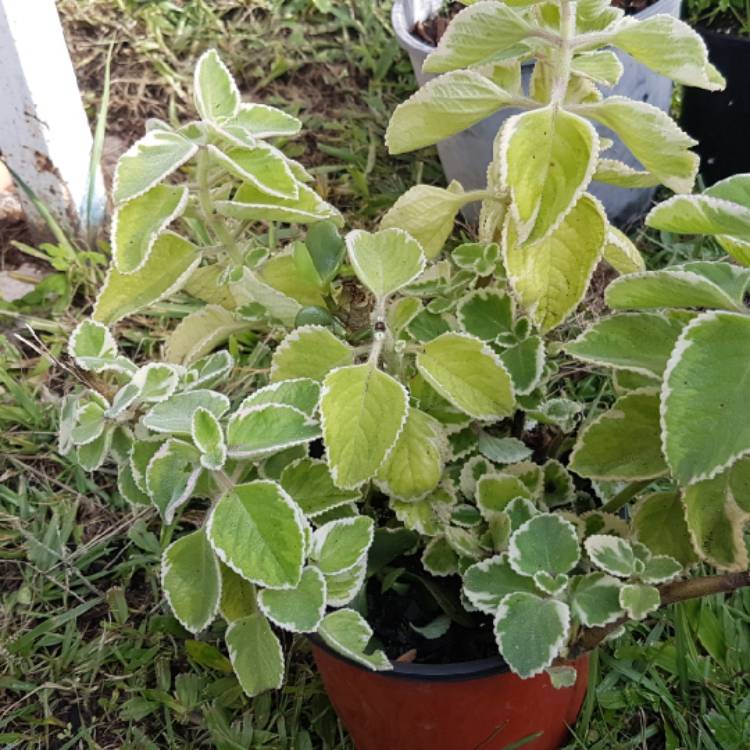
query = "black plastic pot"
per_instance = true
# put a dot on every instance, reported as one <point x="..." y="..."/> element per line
<point x="720" y="120"/>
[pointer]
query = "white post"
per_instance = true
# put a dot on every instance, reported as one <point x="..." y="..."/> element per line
<point x="44" y="134"/>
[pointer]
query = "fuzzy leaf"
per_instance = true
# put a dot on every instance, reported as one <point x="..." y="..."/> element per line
<point x="633" y="421"/>
<point x="547" y="158"/>
<point x="415" y="465"/>
<point x="309" y="352"/>
<point x="659" y="523"/>
<point x="137" y="223"/>
<point x="531" y="631"/>
<point x="167" y="269"/>
<point x="171" y="477"/>
<point x="639" y="342"/>
<point x="301" y="393"/>
<point x="546" y="543"/>
<point x="308" y="481"/>
<point x="596" y="599"/>
<point x="442" y="107"/>
<point x="176" y="413"/>
<point x="191" y="581"/>
<point x="704" y="411"/>
<point x="262" y="121"/>
<point x="486" y="313"/>
<point x="259" y="431"/>
<point x="300" y="609"/>
<point x="551" y="278"/>
<point x="611" y="554"/>
<point x="525" y="363"/>
<point x="363" y="411"/>
<point x="258" y="531"/>
<point x="652" y="136"/>
<point x="255" y="653"/>
<point x="209" y="438"/>
<point x="148" y="161"/>
<point x="338" y="546"/>
<point x="639" y="600"/>
<point x="215" y="92"/>
<point x="488" y="582"/>
<point x="93" y="348"/>
<point x="467" y="373"/>
<point x="263" y="167"/>
<point x="347" y="632"/>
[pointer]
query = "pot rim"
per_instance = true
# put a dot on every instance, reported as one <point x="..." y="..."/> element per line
<point x="411" y="43"/>
<point x="457" y="671"/>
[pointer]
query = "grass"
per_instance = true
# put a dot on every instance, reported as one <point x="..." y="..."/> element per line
<point x="89" y="656"/>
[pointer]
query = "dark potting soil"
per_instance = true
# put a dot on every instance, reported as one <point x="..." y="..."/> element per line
<point x="431" y="30"/>
<point x="390" y="615"/>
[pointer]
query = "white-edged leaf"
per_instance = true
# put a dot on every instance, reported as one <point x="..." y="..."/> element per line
<point x="347" y="632"/>
<point x="309" y="352"/>
<point x="488" y="582"/>
<point x="300" y="609"/>
<point x="176" y="413"/>
<point x="546" y="543"/>
<point x="215" y="92"/>
<point x="340" y="545"/>
<point x="255" y="653"/>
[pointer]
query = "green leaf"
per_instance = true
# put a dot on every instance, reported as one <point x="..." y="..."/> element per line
<point x="611" y="554"/>
<point x="208" y="370"/>
<point x="481" y="34"/>
<point x="215" y="92"/>
<point x="705" y="428"/>
<point x="486" y="313"/>
<point x="263" y="167"/>
<point x="282" y="273"/>
<point x="258" y="431"/>
<point x="545" y="543"/>
<point x="439" y="558"/>
<point x="255" y="653"/>
<point x="311" y="486"/>
<point x="639" y="600"/>
<point x="251" y="204"/>
<point x="701" y="214"/>
<point x="171" y="477"/>
<point x="442" y="107"/>
<point x="141" y="452"/>
<point x="300" y="609"/>
<point x="531" y="631"/>
<point x="488" y="582"/>
<point x="176" y="413"/>
<point x="258" y="531"/>
<point x="127" y="487"/>
<point x="93" y="454"/>
<point x="615" y="172"/>
<point x="425" y="516"/>
<point x="670" y="47"/>
<point x="602" y="66"/>
<point x="148" y="161"/>
<point x="209" y="438"/>
<point x="191" y="581"/>
<point x="595" y="599"/>
<point x="388" y="545"/>
<point x="338" y="546"/>
<point x="653" y="137"/>
<point x="167" y="269"/>
<point x="238" y="597"/>
<point x="137" y="223"/>
<point x="386" y="260"/>
<point x="551" y="278"/>
<point x="624" y="443"/>
<point x="94" y="349"/>
<point x="547" y="157"/>
<point x="495" y="491"/>
<point x="200" y="332"/>
<point x="716" y="522"/>
<point x="466" y="372"/>
<point x="302" y="393"/>
<point x="562" y="677"/>
<point x="437" y="628"/>
<point x="414" y="467"/>
<point x="363" y="411"/>
<point x="156" y="382"/>
<point x="659" y="523"/>
<point x="326" y="249"/>
<point x="427" y="213"/>
<point x="506" y="450"/>
<point x="660" y="569"/>
<point x="341" y="588"/>
<point x="262" y="121"/>
<point x="639" y="342"/>
<point x="676" y="287"/>
<point x="525" y="363"/>
<point x="309" y="352"/>
<point x="347" y="632"/>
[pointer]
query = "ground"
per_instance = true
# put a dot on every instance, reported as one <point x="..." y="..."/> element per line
<point x="89" y="657"/>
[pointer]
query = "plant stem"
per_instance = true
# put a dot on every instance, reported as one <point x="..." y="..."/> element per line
<point x="210" y="217"/>
<point x="624" y="496"/>
<point x="565" y="53"/>
<point x="671" y="593"/>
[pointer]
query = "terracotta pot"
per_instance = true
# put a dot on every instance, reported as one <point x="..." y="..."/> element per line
<point x="477" y="705"/>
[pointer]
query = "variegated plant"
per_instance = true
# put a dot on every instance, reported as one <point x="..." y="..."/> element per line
<point x="545" y="158"/>
<point x="394" y="424"/>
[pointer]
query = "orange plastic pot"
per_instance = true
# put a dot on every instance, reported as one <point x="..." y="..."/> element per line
<point x="478" y="705"/>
